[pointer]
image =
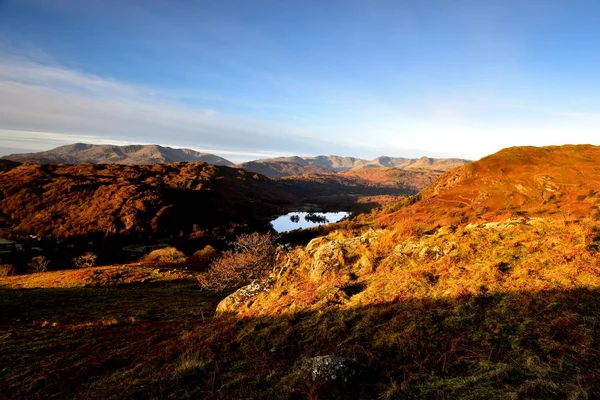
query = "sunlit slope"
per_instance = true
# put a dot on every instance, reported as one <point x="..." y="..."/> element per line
<point x="557" y="182"/>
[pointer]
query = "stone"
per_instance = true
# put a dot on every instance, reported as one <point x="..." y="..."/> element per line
<point x="328" y="257"/>
<point x="237" y="299"/>
<point x="337" y="377"/>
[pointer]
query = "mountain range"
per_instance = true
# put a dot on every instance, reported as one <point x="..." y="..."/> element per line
<point x="288" y="166"/>
<point x="274" y="168"/>
<point x="79" y="153"/>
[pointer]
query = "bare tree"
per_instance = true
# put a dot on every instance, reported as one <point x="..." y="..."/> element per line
<point x="251" y="257"/>
<point x="38" y="264"/>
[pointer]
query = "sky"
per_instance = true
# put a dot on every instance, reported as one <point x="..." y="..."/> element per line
<point x="252" y="79"/>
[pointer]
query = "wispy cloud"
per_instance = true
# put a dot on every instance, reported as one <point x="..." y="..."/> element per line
<point x="74" y="106"/>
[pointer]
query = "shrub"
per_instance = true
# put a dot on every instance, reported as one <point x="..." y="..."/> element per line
<point x="168" y="255"/>
<point x="252" y="257"/>
<point x="206" y="255"/>
<point x="7" y="270"/>
<point x="38" y="264"/>
<point x="86" y="260"/>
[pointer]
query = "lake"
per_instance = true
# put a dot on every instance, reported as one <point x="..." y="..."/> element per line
<point x="301" y="220"/>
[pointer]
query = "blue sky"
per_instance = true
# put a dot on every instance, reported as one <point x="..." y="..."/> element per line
<point x="252" y="79"/>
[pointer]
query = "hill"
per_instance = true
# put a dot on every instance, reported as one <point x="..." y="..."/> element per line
<point x="67" y="201"/>
<point x="391" y="176"/>
<point x="486" y="284"/>
<point x="559" y="182"/>
<point x="289" y="166"/>
<point x="279" y="169"/>
<point x="161" y="200"/>
<point x="110" y="154"/>
<point x="482" y="286"/>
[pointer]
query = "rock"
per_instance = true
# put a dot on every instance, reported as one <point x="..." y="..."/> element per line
<point x="449" y="247"/>
<point x="328" y="257"/>
<point x="338" y="377"/>
<point x="425" y="252"/>
<point x="406" y="249"/>
<point x="237" y="299"/>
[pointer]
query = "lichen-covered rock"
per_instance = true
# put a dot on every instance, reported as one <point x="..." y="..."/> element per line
<point x="237" y="299"/>
<point x="328" y="257"/>
<point x="335" y="376"/>
<point x="331" y="368"/>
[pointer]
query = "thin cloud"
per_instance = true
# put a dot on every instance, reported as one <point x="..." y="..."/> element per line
<point x="41" y="98"/>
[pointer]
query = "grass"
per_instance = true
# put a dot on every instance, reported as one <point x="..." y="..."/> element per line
<point x="494" y="310"/>
<point x="62" y="338"/>
<point x="498" y="307"/>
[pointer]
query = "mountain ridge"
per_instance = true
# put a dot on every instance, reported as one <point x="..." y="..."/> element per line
<point x="278" y="167"/>
<point x="79" y="153"/>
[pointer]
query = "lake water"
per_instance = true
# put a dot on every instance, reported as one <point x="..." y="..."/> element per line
<point x="301" y="220"/>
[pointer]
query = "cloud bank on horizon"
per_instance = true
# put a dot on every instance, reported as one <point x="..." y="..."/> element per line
<point x="258" y="79"/>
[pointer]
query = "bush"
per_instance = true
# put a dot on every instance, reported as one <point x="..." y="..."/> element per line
<point x="38" y="264"/>
<point x="86" y="260"/>
<point x="169" y="255"/>
<point x="7" y="270"/>
<point x="252" y="257"/>
<point x="206" y="255"/>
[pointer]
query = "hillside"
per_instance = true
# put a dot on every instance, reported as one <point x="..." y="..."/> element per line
<point x="391" y="176"/>
<point x="68" y="201"/>
<point x="290" y="166"/>
<point x="6" y="165"/>
<point x="558" y="182"/>
<point x="109" y="154"/>
<point x="486" y="285"/>
<point x="447" y="298"/>
<point x="149" y="201"/>
<point x="279" y="169"/>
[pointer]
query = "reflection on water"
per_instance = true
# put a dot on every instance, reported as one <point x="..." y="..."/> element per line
<point x="300" y="220"/>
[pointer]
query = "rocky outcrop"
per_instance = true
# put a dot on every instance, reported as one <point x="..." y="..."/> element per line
<point x="240" y="297"/>
<point x="331" y="255"/>
<point x="327" y="257"/>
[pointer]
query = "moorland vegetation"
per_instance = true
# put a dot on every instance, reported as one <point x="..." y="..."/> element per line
<point x="485" y="285"/>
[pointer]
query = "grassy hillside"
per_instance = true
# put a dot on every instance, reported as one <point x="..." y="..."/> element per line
<point x="556" y="182"/>
<point x="500" y="300"/>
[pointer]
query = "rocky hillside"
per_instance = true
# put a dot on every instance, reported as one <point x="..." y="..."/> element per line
<point x="497" y="297"/>
<point x="109" y="154"/>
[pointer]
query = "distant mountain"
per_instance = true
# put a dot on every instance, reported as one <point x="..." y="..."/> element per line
<point x="279" y="169"/>
<point x="110" y="154"/>
<point x="296" y="166"/>
<point x="423" y="163"/>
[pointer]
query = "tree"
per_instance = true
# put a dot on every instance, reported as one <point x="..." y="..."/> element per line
<point x="38" y="264"/>
<point x="252" y="257"/>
